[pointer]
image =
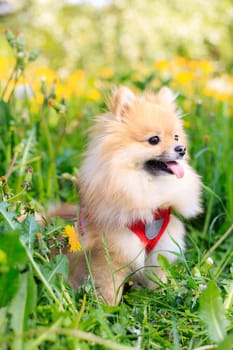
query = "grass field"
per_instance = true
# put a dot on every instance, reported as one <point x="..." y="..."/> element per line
<point x="44" y="119"/>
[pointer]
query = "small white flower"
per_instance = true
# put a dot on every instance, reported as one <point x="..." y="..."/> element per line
<point x="209" y="261"/>
<point x="20" y="54"/>
<point x="202" y="287"/>
<point x="23" y="91"/>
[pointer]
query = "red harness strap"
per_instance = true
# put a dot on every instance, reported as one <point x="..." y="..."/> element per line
<point x="80" y="224"/>
<point x="139" y="228"/>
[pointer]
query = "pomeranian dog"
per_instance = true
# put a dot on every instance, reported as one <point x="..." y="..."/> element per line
<point x="135" y="175"/>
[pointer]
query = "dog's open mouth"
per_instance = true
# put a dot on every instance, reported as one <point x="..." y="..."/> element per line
<point x="154" y="166"/>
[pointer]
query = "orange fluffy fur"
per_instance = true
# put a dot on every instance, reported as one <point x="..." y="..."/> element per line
<point x="116" y="190"/>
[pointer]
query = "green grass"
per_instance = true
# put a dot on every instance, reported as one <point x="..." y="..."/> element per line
<point x="38" y="308"/>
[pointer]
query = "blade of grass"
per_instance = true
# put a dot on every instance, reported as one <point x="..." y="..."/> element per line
<point x="23" y="162"/>
<point x="79" y="334"/>
<point x="217" y="244"/>
<point x="41" y="276"/>
<point x="229" y="299"/>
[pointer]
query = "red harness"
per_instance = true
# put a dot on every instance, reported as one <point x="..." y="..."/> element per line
<point x="80" y="224"/>
<point x="140" y="228"/>
<point x="162" y="217"/>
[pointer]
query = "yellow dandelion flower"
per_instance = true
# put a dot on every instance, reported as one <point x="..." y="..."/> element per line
<point x="161" y="65"/>
<point x="184" y="77"/>
<point x="5" y="66"/>
<point x="194" y="65"/>
<point x="206" y="66"/>
<point x="73" y="239"/>
<point x="93" y="94"/>
<point x="223" y="97"/>
<point x="76" y="77"/>
<point x="218" y="95"/>
<point x="46" y="73"/>
<point x="39" y="97"/>
<point x="61" y="91"/>
<point x="203" y="66"/>
<point x="180" y="61"/>
<point x="106" y="73"/>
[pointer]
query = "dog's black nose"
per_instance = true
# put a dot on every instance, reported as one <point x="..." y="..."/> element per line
<point x="180" y="149"/>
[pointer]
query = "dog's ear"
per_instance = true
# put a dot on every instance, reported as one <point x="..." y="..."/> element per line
<point x="166" y="97"/>
<point x="121" y="102"/>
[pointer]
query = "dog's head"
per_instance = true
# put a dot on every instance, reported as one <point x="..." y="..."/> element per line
<point x="138" y="147"/>
<point x="146" y="131"/>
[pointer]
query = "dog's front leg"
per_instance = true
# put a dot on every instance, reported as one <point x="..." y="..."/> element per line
<point x="109" y="276"/>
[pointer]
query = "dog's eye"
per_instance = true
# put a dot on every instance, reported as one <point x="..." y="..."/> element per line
<point x="154" y="140"/>
<point x="176" y="137"/>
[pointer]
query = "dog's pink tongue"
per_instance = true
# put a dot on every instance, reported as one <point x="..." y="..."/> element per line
<point x="176" y="168"/>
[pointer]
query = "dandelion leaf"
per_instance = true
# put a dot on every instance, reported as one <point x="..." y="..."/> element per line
<point x="9" y="283"/>
<point x="8" y="215"/>
<point x="22" y="305"/>
<point x="227" y="343"/>
<point x="15" y="258"/>
<point x="212" y="312"/>
<point x="30" y="228"/>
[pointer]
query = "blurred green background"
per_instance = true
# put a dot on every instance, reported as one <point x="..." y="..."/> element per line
<point x="97" y="33"/>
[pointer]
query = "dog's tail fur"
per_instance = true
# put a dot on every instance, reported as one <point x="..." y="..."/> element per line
<point x="65" y="211"/>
